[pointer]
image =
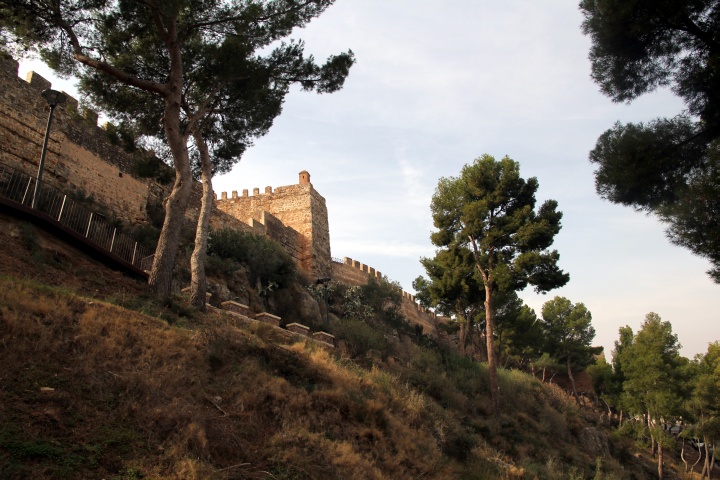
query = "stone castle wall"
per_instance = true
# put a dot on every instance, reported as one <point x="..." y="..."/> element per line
<point x="78" y="155"/>
<point x="271" y="226"/>
<point x="294" y="215"/>
<point x="352" y="272"/>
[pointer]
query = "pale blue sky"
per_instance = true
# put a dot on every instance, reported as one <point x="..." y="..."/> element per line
<point x="438" y="84"/>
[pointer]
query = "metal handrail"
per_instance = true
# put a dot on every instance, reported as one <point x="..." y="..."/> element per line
<point x="18" y="186"/>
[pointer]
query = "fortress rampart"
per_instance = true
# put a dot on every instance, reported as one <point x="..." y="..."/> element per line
<point x="81" y="157"/>
<point x="352" y="272"/>
<point x="79" y="154"/>
<point x="294" y="215"/>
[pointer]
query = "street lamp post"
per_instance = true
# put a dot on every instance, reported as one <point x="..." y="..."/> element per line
<point x="53" y="98"/>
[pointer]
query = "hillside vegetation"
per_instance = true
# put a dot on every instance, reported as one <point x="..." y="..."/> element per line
<point x="92" y="389"/>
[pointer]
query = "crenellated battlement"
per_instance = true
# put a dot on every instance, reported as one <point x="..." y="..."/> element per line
<point x="37" y="83"/>
<point x="285" y="190"/>
<point x="80" y="155"/>
<point x="299" y="208"/>
<point x="353" y="272"/>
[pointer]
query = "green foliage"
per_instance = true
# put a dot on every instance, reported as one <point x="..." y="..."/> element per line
<point x="666" y="166"/>
<point x="381" y="294"/>
<point x="378" y="301"/>
<point x="638" y="45"/>
<point x="489" y="210"/>
<point x="601" y="375"/>
<point x="129" y="474"/>
<point x="218" y="48"/>
<point x="267" y="261"/>
<point x="568" y="332"/>
<point x="359" y="336"/>
<point x="156" y="213"/>
<point x="218" y="72"/>
<point x="168" y="310"/>
<point x="28" y="237"/>
<point x="519" y="334"/>
<point x="454" y="286"/>
<point x="146" y="235"/>
<point x="703" y="405"/>
<point x="345" y="300"/>
<point x="12" y="442"/>
<point x="690" y="217"/>
<point x="369" y="313"/>
<point x="122" y="136"/>
<point x="150" y="166"/>
<point x="547" y="363"/>
<point x="650" y="366"/>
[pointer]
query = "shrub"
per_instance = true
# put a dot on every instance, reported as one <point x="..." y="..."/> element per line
<point x="360" y="337"/>
<point x="381" y="295"/>
<point x="266" y="260"/>
<point x="377" y="302"/>
<point x="152" y="167"/>
<point x="145" y="235"/>
<point x="122" y="136"/>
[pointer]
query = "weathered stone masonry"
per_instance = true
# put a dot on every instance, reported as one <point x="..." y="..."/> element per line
<point x="79" y="155"/>
<point x="294" y="215"/>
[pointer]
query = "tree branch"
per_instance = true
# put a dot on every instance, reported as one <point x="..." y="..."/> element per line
<point x="693" y="29"/>
<point x="82" y="57"/>
<point x="257" y="20"/>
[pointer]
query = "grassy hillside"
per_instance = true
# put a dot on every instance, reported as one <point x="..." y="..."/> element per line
<point x="89" y="389"/>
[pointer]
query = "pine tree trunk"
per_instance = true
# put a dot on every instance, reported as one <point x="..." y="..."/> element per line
<point x="160" y="279"/>
<point x="653" y="446"/>
<point x="708" y="464"/>
<point x="198" y="281"/>
<point x="165" y="255"/>
<point x="492" y="361"/>
<point x="692" y="469"/>
<point x="462" y="339"/>
<point x="572" y="381"/>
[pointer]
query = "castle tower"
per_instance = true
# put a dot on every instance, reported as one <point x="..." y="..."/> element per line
<point x="295" y="215"/>
<point x="305" y="178"/>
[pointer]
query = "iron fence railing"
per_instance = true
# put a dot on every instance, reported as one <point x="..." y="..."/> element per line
<point x="19" y="187"/>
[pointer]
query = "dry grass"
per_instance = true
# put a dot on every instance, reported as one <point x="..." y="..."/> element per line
<point x="134" y="397"/>
<point x="213" y="401"/>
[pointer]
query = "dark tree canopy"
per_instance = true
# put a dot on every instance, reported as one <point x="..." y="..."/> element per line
<point x="667" y="166"/>
<point x="453" y="286"/>
<point x="639" y="45"/>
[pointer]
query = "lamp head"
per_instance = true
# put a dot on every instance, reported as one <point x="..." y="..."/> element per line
<point x="53" y="97"/>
